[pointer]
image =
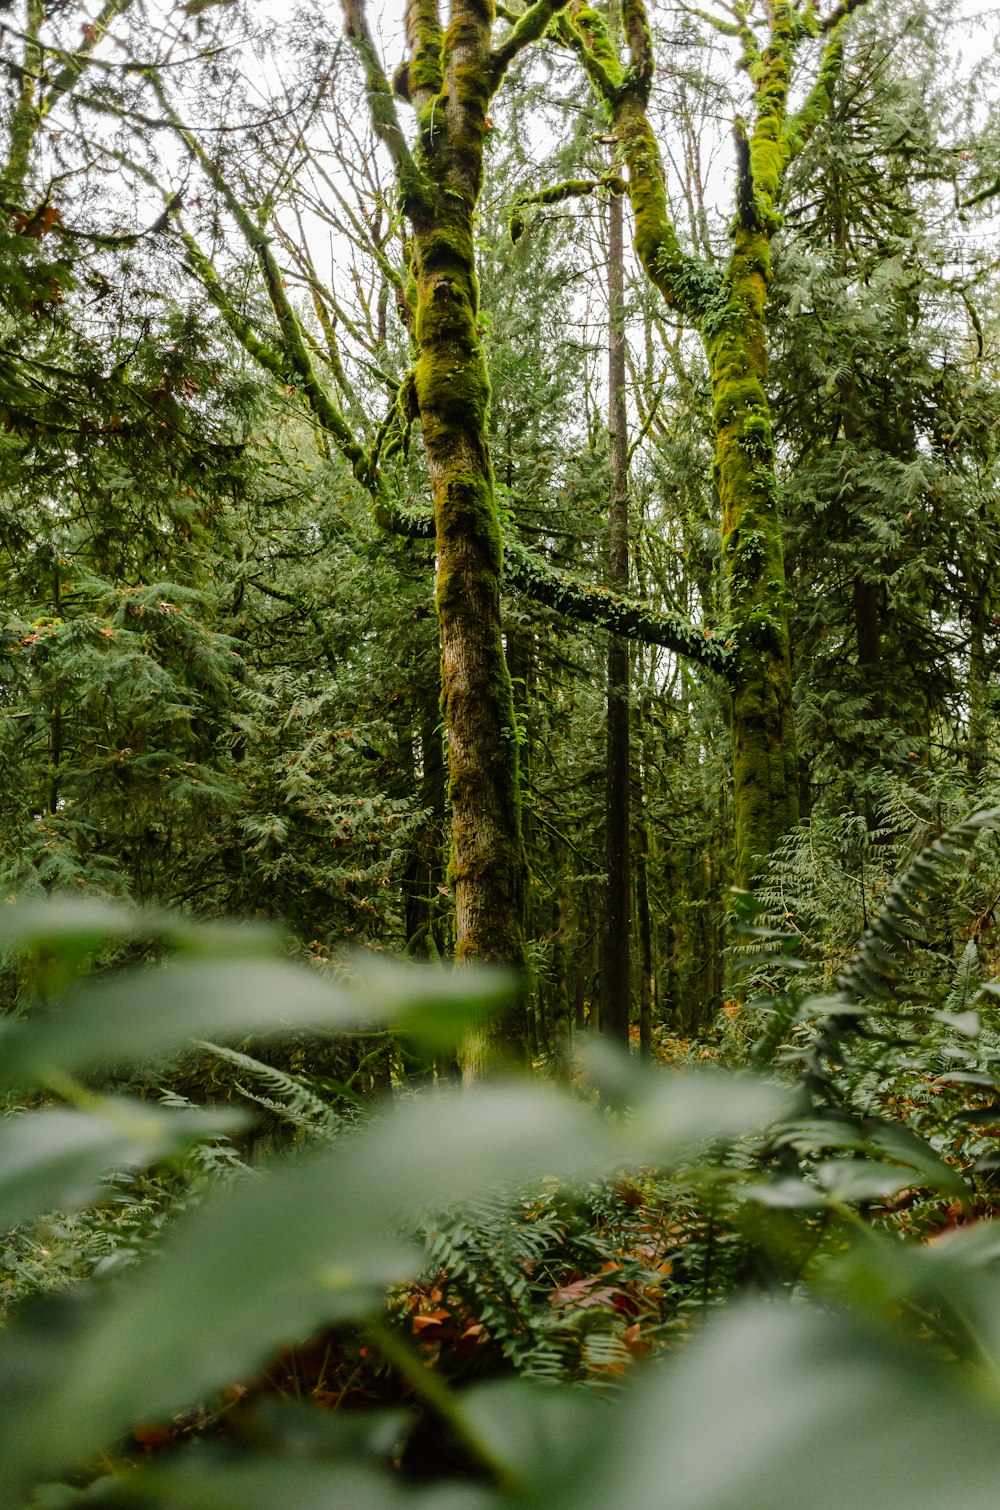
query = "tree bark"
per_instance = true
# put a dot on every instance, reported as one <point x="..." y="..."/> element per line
<point x="449" y="77"/>
<point x="765" y="757"/>
<point x="615" y="985"/>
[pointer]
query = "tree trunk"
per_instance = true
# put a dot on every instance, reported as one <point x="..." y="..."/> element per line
<point x="615" y="994"/>
<point x="452" y="395"/>
<point x="765" y="758"/>
<point x="977" y="736"/>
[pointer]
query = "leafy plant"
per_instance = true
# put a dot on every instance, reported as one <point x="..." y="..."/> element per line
<point x="777" y="1402"/>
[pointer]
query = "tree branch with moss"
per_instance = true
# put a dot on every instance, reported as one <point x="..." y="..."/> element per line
<point x="382" y="106"/>
<point x="529" y="27"/>
<point x="569" y="188"/>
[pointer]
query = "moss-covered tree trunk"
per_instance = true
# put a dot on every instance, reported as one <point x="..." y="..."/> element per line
<point x="765" y="763"/>
<point x="452" y="397"/>
<point x="449" y="77"/>
<point x="728" y="307"/>
<point x="616" y="922"/>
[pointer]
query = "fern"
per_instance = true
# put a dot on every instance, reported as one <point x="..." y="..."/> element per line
<point x="291" y="1098"/>
<point x="901" y="921"/>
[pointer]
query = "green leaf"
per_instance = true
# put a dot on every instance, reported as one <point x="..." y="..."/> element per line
<point x="778" y="1405"/>
<point x="788" y="1194"/>
<point x="207" y="1481"/>
<point x="139" y="1016"/>
<point x="847" y="1180"/>
<point x="145" y="1015"/>
<point x="312" y="1240"/>
<point x="56" y="1160"/>
<point x="674" y="1113"/>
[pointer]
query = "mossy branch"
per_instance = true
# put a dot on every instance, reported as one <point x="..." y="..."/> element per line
<point x="587" y="33"/>
<point x="724" y="28"/>
<point x="291" y="361"/>
<point x="983" y="194"/>
<point x="25" y="117"/>
<point x="421" y="77"/>
<point x="413" y="186"/>
<point x="801" y="126"/>
<point x="640" y="46"/>
<point x="583" y="602"/>
<point x="688" y="284"/>
<point x="620" y="615"/>
<point x="840" y="13"/>
<point x="77" y="61"/>
<point x="529" y="27"/>
<point x="569" y="188"/>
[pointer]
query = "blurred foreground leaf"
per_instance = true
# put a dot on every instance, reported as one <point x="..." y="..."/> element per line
<point x="780" y="1405"/>
<point x="57" y="1159"/>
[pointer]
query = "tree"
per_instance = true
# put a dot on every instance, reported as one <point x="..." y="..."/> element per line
<point x="727" y="305"/>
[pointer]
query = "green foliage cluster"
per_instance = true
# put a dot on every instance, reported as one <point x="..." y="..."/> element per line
<point x="220" y="691"/>
<point x="793" y="1186"/>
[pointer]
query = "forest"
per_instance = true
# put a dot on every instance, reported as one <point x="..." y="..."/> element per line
<point x="499" y="754"/>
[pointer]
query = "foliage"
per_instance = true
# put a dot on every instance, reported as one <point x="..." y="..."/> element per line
<point x="264" y="1261"/>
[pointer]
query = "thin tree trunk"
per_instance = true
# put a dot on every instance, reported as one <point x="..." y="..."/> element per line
<point x="977" y="744"/>
<point x="645" y="931"/>
<point x="615" y="952"/>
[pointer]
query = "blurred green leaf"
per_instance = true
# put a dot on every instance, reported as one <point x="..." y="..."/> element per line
<point x="789" y="1194"/>
<point x="671" y="1114"/>
<point x="140" y="1016"/>
<point x="57" y="1159"/>
<point x="311" y="1241"/>
<point x="208" y="1481"/>
<point x="780" y="1405"/>
<point x="847" y="1180"/>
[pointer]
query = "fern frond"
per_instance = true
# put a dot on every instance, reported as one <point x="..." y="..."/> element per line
<point x="291" y="1097"/>
<point x="966" y="981"/>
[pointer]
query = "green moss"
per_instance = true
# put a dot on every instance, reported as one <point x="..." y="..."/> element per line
<point x="602" y="55"/>
<point x="764" y="755"/>
<point x="425" y="70"/>
<point x="767" y="164"/>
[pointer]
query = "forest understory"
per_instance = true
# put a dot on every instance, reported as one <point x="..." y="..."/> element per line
<point x="499" y="755"/>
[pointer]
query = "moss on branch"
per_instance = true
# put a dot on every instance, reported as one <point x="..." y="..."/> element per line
<point x="585" y="602"/>
<point x="529" y="27"/>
